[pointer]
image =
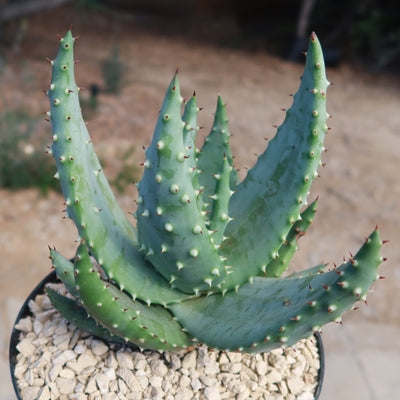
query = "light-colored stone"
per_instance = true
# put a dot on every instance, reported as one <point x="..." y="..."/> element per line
<point x="26" y="348"/>
<point x="158" y="367"/>
<point x="243" y="395"/>
<point x="249" y="373"/>
<point x="38" y="382"/>
<point x="233" y="368"/>
<point x="309" y="378"/>
<point x="141" y="364"/>
<point x="93" y="372"/>
<point x="98" y="347"/>
<point x="226" y="377"/>
<point x="64" y="357"/>
<point x="208" y="381"/>
<point x="155" y="381"/>
<point x="29" y="377"/>
<point x="109" y="373"/>
<point x="251" y="385"/>
<point x="54" y="390"/>
<point x="79" y="388"/>
<point x="143" y="381"/>
<point x="113" y="386"/>
<point x="298" y="368"/>
<point x="44" y="393"/>
<point x="212" y="368"/>
<point x="237" y="386"/>
<point x="65" y="385"/>
<point x="223" y="359"/>
<point x="66" y="373"/>
<point x="274" y="376"/>
<point x="37" y="326"/>
<point x="86" y="360"/>
<point x="234" y="357"/>
<point x="62" y="328"/>
<point x="166" y="385"/>
<point x="30" y="393"/>
<point x="43" y="360"/>
<point x="102" y="382"/>
<point x="80" y="348"/>
<point x="63" y="339"/>
<point x="184" y="381"/>
<point x="110" y="396"/>
<point x="173" y="360"/>
<point x="276" y="359"/>
<point x="140" y="372"/>
<point x="127" y="376"/>
<point x="136" y="356"/>
<point x="24" y="324"/>
<point x="134" y="396"/>
<point x="172" y="376"/>
<point x="283" y="388"/>
<point x="189" y="361"/>
<point x="272" y="387"/>
<point x="111" y="361"/>
<point x="123" y="387"/>
<point x="295" y="385"/>
<point x="74" y="339"/>
<point x="183" y="394"/>
<point x="261" y="367"/>
<point x="91" y="386"/>
<point x="20" y="370"/>
<point x="49" y="328"/>
<point x="211" y="393"/>
<point x="156" y="392"/>
<point x="78" y="396"/>
<point x="195" y="384"/>
<point x="125" y="360"/>
<point x="256" y="394"/>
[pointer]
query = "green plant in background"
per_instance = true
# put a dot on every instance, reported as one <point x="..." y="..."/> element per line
<point x="376" y="34"/>
<point x="23" y="163"/>
<point x="205" y="262"/>
<point x="112" y="70"/>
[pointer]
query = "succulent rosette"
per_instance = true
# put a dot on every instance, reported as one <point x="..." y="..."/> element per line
<point x="204" y="263"/>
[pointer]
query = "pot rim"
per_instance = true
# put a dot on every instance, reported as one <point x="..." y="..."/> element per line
<point x="52" y="278"/>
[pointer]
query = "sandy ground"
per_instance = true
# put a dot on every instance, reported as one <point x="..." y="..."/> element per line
<point x="358" y="189"/>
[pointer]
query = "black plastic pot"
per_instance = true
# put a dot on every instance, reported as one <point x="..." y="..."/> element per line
<point x="52" y="278"/>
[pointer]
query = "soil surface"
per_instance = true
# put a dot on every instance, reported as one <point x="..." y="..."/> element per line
<point x="359" y="188"/>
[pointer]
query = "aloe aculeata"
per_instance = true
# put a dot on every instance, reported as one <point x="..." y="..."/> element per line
<point x="205" y="262"/>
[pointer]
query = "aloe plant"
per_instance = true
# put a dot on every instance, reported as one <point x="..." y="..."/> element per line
<point x="204" y="263"/>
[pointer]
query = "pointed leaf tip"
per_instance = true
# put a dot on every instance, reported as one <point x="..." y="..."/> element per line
<point x="313" y="36"/>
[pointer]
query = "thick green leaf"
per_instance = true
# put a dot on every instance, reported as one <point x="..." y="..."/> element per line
<point x="276" y="312"/>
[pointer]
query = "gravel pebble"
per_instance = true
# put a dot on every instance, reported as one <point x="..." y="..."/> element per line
<point x="65" y="385"/>
<point x="63" y="357"/>
<point x="98" y="347"/>
<point x="125" y="360"/>
<point x="158" y="368"/>
<point x="26" y="347"/>
<point x="295" y="385"/>
<point x="58" y="361"/>
<point x="189" y="360"/>
<point x="211" y="393"/>
<point x="30" y="393"/>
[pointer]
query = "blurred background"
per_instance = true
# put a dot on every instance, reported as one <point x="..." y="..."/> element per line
<point x="251" y="53"/>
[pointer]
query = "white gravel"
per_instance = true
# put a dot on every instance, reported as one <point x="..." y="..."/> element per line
<point x="58" y="361"/>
